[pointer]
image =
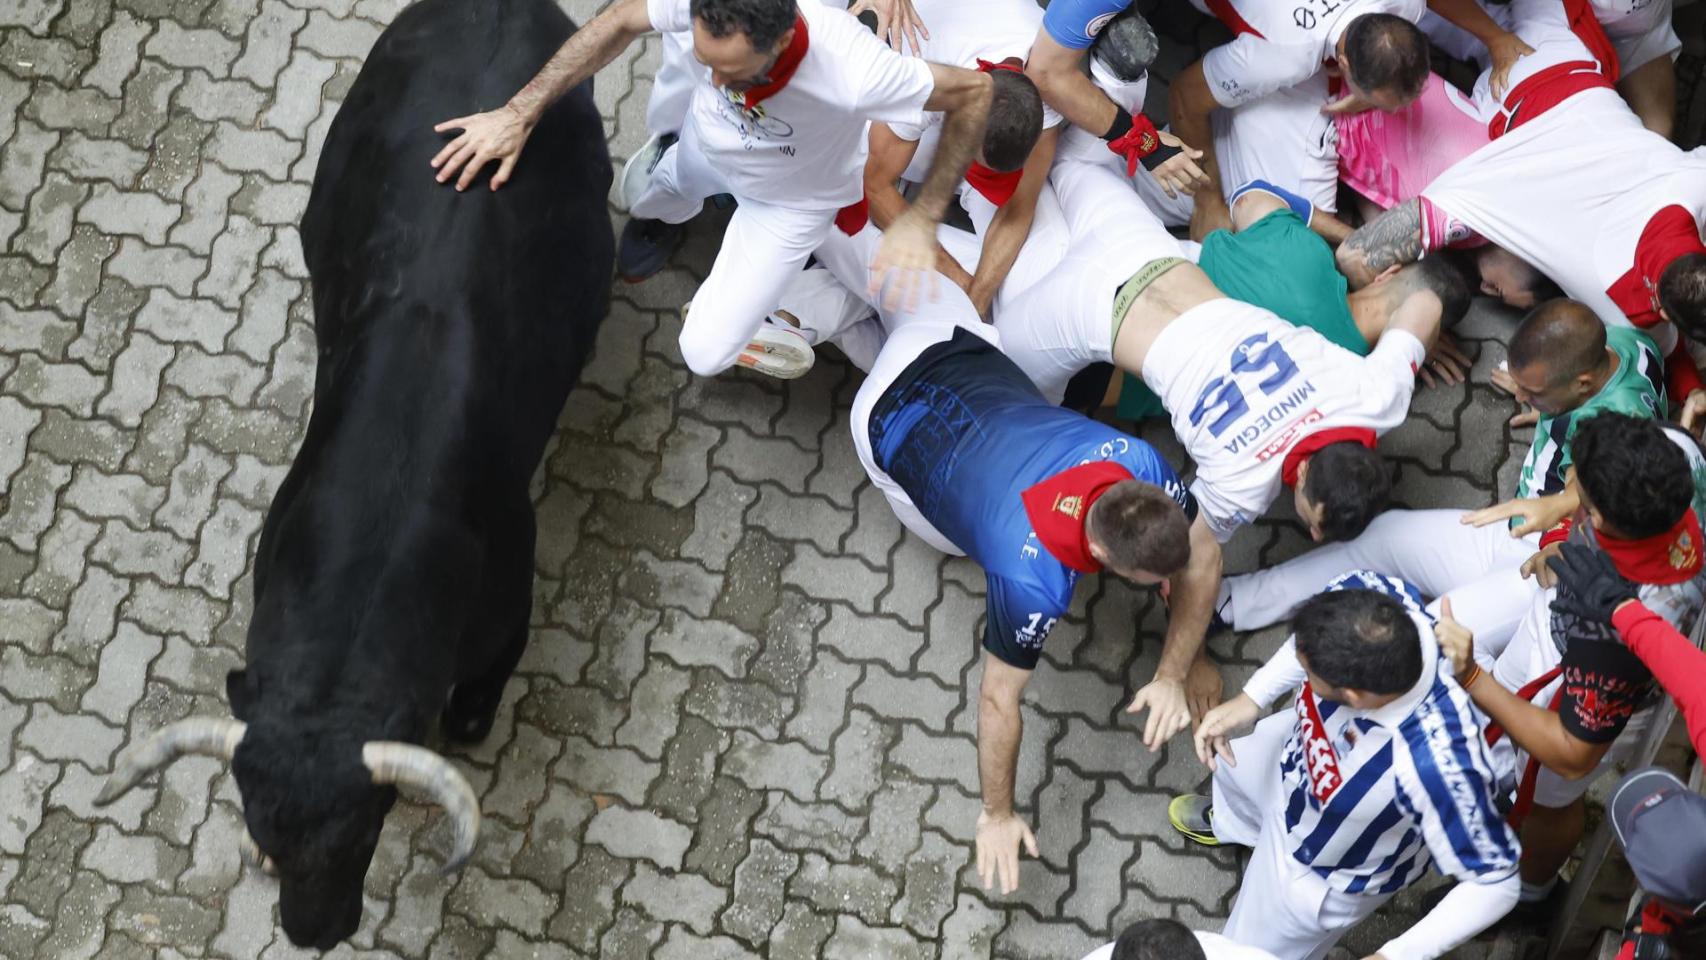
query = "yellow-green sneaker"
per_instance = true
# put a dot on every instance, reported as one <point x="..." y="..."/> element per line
<point x="1193" y="816"/>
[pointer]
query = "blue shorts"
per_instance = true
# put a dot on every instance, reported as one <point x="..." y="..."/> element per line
<point x="1074" y="23"/>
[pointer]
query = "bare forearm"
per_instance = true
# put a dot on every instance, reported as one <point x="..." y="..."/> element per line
<point x="962" y="133"/>
<point x="1329" y="228"/>
<point x="1190" y="109"/>
<point x="1392" y="239"/>
<point x="581" y="56"/>
<point x="886" y="203"/>
<point x="999" y="728"/>
<point x="1536" y="730"/>
<point x="1192" y="605"/>
<point x="1001" y="246"/>
<point x="1075" y="97"/>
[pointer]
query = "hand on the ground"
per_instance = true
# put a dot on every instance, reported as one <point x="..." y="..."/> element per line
<point x="1203" y="687"/>
<point x="1214" y="734"/>
<point x="1180" y="173"/>
<point x="1455" y="640"/>
<point x="1505" y="52"/>
<point x="494" y="135"/>
<point x="998" y="840"/>
<point x="1589" y="585"/>
<point x="1537" y="513"/>
<point x="905" y="260"/>
<point x="897" y="23"/>
<point x="1169" y="711"/>
<point x="1693" y="414"/>
<point x="1448" y="361"/>
<point x="1536" y="567"/>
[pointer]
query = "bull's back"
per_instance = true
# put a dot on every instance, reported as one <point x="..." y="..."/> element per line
<point x="523" y="271"/>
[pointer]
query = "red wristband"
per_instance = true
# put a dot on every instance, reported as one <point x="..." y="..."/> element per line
<point x="1138" y="142"/>
<point x="1557" y="534"/>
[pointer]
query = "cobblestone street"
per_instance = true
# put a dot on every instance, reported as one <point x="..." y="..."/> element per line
<point x="745" y="723"/>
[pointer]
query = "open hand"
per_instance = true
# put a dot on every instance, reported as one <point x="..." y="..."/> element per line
<point x="1693" y="414"/>
<point x="1448" y="361"/>
<point x="998" y="840"/>
<point x="1537" y="567"/>
<point x="1537" y="514"/>
<point x="1180" y="173"/>
<point x="905" y="261"/>
<point x="897" y="23"/>
<point x="494" y="135"/>
<point x="1214" y="734"/>
<point x="1169" y="711"/>
<point x="1505" y="52"/>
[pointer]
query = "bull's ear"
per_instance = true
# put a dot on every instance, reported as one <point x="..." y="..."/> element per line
<point x="237" y="691"/>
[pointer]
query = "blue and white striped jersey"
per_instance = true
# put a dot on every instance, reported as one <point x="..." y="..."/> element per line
<point x="1373" y="797"/>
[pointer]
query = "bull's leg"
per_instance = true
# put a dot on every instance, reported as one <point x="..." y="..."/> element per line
<point x="473" y="705"/>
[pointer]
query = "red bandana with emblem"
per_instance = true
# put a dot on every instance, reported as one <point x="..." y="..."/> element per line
<point x="1058" y="505"/>
<point x="1670" y="558"/>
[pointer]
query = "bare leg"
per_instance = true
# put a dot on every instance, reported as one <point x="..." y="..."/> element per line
<point x="1651" y="92"/>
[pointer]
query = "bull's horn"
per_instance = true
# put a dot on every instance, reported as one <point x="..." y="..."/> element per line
<point x="204" y="736"/>
<point x="407" y="765"/>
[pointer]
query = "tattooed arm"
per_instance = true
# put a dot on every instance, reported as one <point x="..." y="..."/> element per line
<point x="1392" y="239"/>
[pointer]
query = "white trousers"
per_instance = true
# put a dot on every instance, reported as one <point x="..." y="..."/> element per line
<point x="764" y="247"/>
<point x="1064" y="322"/>
<point x="1282" y="907"/>
<point x="1431" y="549"/>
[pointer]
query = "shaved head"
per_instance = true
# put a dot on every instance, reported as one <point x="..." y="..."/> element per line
<point x="1564" y="336"/>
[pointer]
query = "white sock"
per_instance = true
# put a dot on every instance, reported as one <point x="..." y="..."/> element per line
<point x="1533" y="892"/>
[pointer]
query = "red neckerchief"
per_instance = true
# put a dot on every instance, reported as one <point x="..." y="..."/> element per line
<point x="1586" y="26"/>
<point x="1669" y="558"/>
<point x="1058" y="505"/>
<point x="996" y="187"/>
<point x="1311" y="444"/>
<point x="1228" y="14"/>
<point x="786" y="64"/>
<point x="1671" y="233"/>
<point x="1320" y="760"/>
<point x="852" y="218"/>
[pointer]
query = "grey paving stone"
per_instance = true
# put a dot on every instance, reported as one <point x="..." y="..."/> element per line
<point x="760" y="885"/>
<point x="639" y="834"/>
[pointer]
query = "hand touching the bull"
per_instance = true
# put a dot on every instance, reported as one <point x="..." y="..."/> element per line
<point x="494" y="135"/>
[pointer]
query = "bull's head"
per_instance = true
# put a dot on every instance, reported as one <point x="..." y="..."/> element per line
<point x="313" y="815"/>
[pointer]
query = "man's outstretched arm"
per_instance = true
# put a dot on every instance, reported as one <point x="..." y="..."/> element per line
<point x="1392" y="239"/>
<point x="1170" y="701"/>
<point x="909" y="243"/>
<point x="999" y="728"/>
<point x="1011" y="226"/>
<point x="500" y="134"/>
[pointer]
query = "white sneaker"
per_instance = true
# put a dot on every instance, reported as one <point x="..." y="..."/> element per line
<point x="776" y="350"/>
<point x="637" y="172"/>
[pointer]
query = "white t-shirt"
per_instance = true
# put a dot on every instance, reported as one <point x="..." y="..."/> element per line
<point x="1293" y="39"/>
<point x="804" y="147"/>
<point x="961" y="34"/>
<point x="1613" y="182"/>
<point x="1214" y="946"/>
<point x="1243" y="386"/>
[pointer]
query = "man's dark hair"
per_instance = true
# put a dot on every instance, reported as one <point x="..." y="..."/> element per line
<point x="1565" y="336"/>
<point x="1015" y="121"/>
<point x="1632" y="473"/>
<point x="1351" y="483"/>
<point x="1140" y="528"/>
<point x="1682" y="293"/>
<point x="1386" y="52"/>
<point x="1359" y="640"/>
<point x="1158" y="939"/>
<point x="763" y="21"/>
<point x="1441" y="276"/>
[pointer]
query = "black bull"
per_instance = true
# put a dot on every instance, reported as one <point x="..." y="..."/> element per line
<point x="393" y="580"/>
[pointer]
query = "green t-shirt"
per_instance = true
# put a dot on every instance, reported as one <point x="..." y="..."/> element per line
<point x="1277" y="263"/>
<point x="1636" y="388"/>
